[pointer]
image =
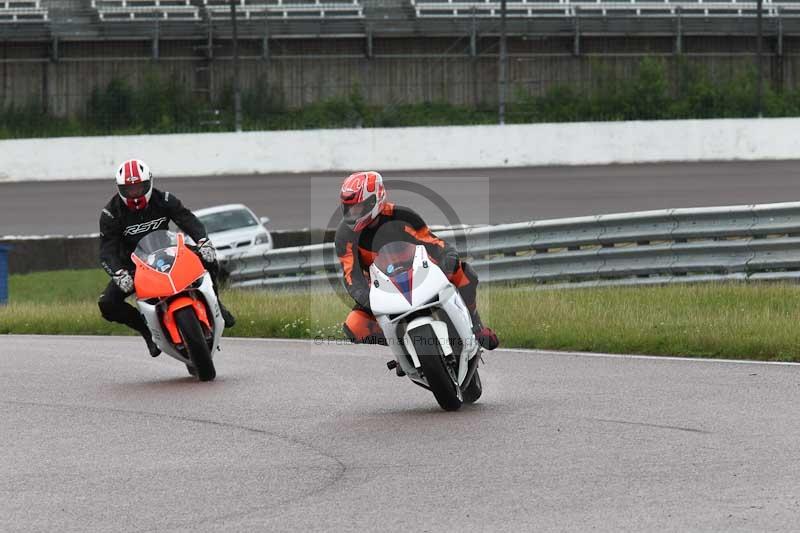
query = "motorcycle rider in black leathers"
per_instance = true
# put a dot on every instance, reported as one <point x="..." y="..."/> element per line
<point x="137" y="210"/>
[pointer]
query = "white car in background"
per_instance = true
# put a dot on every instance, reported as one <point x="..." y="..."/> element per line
<point x="235" y="230"/>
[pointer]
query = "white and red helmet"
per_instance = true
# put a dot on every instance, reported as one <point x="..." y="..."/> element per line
<point x="363" y="197"/>
<point x="135" y="184"/>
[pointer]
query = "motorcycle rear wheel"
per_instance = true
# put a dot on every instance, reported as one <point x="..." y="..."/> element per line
<point x="431" y="359"/>
<point x="195" y="342"/>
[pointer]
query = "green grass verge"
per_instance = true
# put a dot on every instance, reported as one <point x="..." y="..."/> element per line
<point x="755" y="321"/>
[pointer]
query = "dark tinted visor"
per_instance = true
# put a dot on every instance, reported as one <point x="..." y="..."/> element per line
<point x="135" y="190"/>
<point x="351" y="213"/>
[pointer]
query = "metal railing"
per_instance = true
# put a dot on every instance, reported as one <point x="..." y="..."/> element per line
<point x="753" y="242"/>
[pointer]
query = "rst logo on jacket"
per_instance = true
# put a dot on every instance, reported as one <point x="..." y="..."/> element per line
<point x="144" y="227"/>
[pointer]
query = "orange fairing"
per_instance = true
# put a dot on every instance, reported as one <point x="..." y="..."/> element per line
<point x="180" y="303"/>
<point x="150" y="283"/>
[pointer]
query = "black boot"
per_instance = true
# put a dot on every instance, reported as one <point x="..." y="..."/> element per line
<point x="486" y="337"/>
<point x="229" y="319"/>
<point x="227" y="316"/>
<point x="393" y="364"/>
<point x="154" y="350"/>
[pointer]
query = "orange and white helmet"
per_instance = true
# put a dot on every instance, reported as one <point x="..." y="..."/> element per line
<point x="135" y="184"/>
<point x="363" y="197"/>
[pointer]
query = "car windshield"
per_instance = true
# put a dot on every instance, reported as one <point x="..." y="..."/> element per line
<point x="228" y="220"/>
<point x="396" y="258"/>
<point x="158" y="250"/>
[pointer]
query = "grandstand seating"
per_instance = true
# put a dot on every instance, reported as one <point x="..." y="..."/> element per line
<point x="18" y="11"/>
<point x="133" y="10"/>
<point x="109" y="17"/>
<point x="175" y="10"/>
<point x="284" y="9"/>
<point x="569" y="8"/>
<point x="12" y="4"/>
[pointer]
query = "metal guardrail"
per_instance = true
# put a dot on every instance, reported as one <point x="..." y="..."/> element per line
<point x="752" y="242"/>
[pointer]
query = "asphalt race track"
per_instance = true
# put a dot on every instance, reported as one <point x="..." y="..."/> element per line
<point x="96" y="436"/>
<point x="478" y="196"/>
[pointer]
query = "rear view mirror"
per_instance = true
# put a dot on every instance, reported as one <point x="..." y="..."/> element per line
<point x="264" y="221"/>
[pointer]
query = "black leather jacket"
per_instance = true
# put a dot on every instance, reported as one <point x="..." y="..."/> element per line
<point x="121" y="229"/>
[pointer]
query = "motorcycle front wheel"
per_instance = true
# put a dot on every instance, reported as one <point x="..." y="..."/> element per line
<point x="439" y="377"/>
<point x="195" y="342"/>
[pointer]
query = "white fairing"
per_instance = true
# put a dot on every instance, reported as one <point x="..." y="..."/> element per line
<point x="428" y="283"/>
<point x="161" y="336"/>
<point x="427" y="280"/>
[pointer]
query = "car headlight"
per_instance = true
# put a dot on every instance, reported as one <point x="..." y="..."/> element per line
<point x="262" y="238"/>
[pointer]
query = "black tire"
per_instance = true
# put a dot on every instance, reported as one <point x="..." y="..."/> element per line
<point x="426" y="345"/>
<point x="195" y="342"/>
<point x="474" y="390"/>
<point x="192" y="371"/>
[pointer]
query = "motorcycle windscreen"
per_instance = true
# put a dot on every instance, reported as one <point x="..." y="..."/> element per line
<point x="158" y="250"/>
<point x="165" y="266"/>
<point x="396" y="260"/>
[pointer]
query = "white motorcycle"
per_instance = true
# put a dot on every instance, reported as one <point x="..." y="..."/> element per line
<point x="426" y="324"/>
<point x="175" y="295"/>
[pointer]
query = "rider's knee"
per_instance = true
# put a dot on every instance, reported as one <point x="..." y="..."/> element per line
<point x="349" y="335"/>
<point x="370" y="338"/>
<point x="108" y="310"/>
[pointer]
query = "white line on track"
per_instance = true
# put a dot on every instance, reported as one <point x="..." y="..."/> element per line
<point x="687" y="359"/>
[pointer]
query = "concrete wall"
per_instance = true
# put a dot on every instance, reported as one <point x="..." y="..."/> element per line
<point x="405" y="148"/>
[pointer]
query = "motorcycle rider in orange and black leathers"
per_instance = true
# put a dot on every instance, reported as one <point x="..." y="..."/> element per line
<point x="368" y="223"/>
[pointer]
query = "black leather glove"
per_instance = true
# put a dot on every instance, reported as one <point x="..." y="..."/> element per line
<point x="449" y="263"/>
<point x="124" y="280"/>
<point x="207" y="251"/>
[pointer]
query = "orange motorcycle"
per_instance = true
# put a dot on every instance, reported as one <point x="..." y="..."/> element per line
<point x="175" y="295"/>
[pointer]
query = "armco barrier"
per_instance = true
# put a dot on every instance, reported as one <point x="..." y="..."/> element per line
<point x="397" y="149"/>
<point x="59" y="252"/>
<point x="758" y="242"/>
